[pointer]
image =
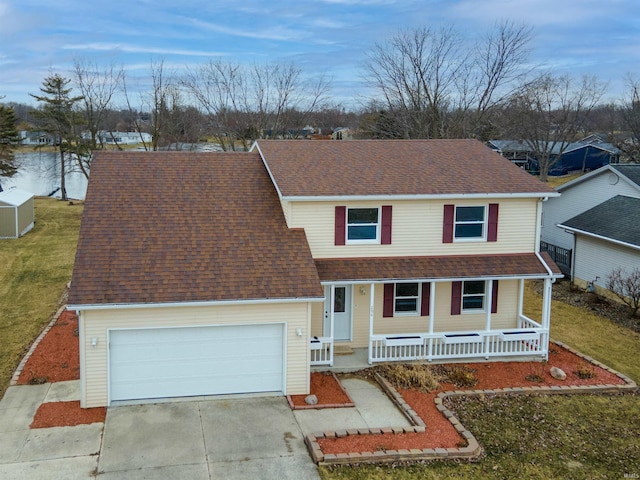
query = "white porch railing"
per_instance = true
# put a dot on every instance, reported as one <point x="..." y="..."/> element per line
<point x="321" y="351"/>
<point x="529" y="339"/>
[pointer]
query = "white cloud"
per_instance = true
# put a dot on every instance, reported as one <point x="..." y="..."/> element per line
<point x="119" y="47"/>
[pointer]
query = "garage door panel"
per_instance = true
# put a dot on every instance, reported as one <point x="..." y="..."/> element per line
<point x="173" y="362"/>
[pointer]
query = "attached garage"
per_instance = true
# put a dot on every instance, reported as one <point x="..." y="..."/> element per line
<point x="190" y="361"/>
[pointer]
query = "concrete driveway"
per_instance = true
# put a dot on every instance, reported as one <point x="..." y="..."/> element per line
<point x="209" y="439"/>
<point x="195" y="439"/>
<point x="230" y="439"/>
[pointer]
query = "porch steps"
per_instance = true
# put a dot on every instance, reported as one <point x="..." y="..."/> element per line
<point x="342" y="350"/>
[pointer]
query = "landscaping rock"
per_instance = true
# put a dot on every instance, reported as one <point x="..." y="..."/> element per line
<point x="311" y="400"/>
<point x="558" y="373"/>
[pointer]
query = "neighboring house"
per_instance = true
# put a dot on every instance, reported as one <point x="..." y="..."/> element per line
<point x="36" y="138"/>
<point x="606" y="237"/>
<point x="16" y="212"/>
<point x="579" y="195"/>
<point x="235" y="272"/>
<point x="587" y="154"/>
<point x="123" y="138"/>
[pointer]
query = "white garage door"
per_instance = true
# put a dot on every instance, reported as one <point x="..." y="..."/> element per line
<point x="179" y="362"/>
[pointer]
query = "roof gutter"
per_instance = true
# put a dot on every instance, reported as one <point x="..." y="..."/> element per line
<point x="444" y="196"/>
<point x="212" y="303"/>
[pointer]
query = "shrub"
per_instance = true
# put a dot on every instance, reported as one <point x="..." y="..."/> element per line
<point x="410" y="375"/>
<point x="585" y="372"/>
<point x="460" y="376"/>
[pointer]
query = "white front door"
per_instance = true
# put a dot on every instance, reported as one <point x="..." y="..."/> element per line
<point x="341" y="306"/>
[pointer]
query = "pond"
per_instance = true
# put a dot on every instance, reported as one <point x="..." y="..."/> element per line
<point x="39" y="173"/>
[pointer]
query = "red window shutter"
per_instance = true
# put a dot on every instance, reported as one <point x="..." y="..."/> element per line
<point x="341" y="225"/>
<point x="447" y="230"/>
<point x="424" y="303"/>
<point x="386" y="225"/>
<point x="456" y="297"/>
<point x="494" y="297"/>
<point x="387" y="308"/>
<point x="492" y="227"/>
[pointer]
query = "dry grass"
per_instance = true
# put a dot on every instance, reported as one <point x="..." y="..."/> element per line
<point x="35" y="271"/>
<point x="410" y="375"/>
<point x="557" y="181"/>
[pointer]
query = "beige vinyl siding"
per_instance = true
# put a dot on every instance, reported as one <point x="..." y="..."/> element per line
<point x="96" y="323"/>
<point x="286" y="210"/>
<point x="417" y="228"/>
<point x="506" y="317"/>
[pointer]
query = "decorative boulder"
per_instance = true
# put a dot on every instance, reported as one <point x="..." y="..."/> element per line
<point x="558" y="373"/>
<point x="311" y="400"/>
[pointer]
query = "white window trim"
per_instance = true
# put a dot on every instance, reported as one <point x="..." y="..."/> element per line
<point x="378" y="225"/>
<point x="485" y="222"/>
<point x="418" y="301"/>
<point x="484" y="299"/>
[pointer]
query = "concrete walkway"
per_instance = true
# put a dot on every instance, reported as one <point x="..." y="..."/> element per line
<point x="206" y="439"/>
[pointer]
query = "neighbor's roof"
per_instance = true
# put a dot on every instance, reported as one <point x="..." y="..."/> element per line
<point x="186" y="227"/>
<point x="617" y="220"/>
<point x="432" y="268"/>
<point x="379" y="168"/>
<point x="15" y="197"/>
<point x="630" y="171"/>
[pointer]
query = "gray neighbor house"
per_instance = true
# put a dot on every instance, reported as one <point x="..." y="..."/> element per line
<point x="594" y="226"/>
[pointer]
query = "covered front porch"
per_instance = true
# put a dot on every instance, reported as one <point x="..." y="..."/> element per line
<point x="490" y="329"/>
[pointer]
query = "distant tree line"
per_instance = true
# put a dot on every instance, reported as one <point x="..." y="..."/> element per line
<point x="425" y="83"/>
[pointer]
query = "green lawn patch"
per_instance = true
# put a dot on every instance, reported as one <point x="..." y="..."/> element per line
<point x="35" y="271"/>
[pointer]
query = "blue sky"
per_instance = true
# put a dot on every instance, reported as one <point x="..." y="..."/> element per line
<point x="596" y="37"/>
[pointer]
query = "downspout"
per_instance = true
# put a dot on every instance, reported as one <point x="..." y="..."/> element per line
<point x="371" y="313"/>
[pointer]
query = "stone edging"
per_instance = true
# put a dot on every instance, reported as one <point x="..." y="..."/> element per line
<point x="23" y="362"/>
<point x="324" y="405"/>
<point x="473" y="449"/>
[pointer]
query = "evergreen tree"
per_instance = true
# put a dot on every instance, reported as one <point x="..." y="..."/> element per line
<point x="59" y="118"/>
<point x="9" y="138"/>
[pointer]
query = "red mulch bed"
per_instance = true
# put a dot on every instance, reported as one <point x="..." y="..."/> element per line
<point x="439" y="431"/>
<point x="57" y="357"/>
<point x="327" y="389"/>
<point x="66" y="414"/>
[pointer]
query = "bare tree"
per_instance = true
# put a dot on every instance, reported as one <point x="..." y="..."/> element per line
<point x="494" y="71"/>
<point x="97" y="87"/>
<point x="415" y="73"/>
<point x="244" y="103"/>
<point x="549" y="112"/>
<point x="626" y="286"/>
<point x="631" y="116"/>
<point x="440" y="85"/>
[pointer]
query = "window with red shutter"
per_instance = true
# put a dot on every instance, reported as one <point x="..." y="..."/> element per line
<point x="340" y="225"/>
<point x="386" y="225"/>
<point x="492" y="224"/>
<point x="447" y="230"/>
<point x="456" y="297"/>
<point x="387" y="308"/>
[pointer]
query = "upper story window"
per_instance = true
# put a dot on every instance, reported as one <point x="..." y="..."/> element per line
<point x="473" y="296"/>
<point x="363" y="225"/>
<point x="406" y="299"/>
<point x="470" y="223"/>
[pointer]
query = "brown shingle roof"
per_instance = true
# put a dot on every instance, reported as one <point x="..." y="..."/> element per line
<point x="186" y="227"/>
<point x="459" y="266"/>
<point x="393" y="167"/>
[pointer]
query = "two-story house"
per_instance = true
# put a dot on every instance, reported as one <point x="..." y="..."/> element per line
<point x="203" y="274"/>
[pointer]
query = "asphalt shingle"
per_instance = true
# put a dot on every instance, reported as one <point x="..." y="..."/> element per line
<point x="617" y="219"/>
<point x="186" y="227"/>
<point x="393" y="167"/>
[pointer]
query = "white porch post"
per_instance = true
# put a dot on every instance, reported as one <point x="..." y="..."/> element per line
<point x="432" y="314"/>
<point x="331" y="319"/>
<point x="371" y="312"/>
<point x="520" y="301"/>
<point x="488" y="306"/>
<point x="546" y="315"/>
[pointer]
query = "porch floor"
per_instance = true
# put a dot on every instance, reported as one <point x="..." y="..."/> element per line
<point x="359" y="360"/>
